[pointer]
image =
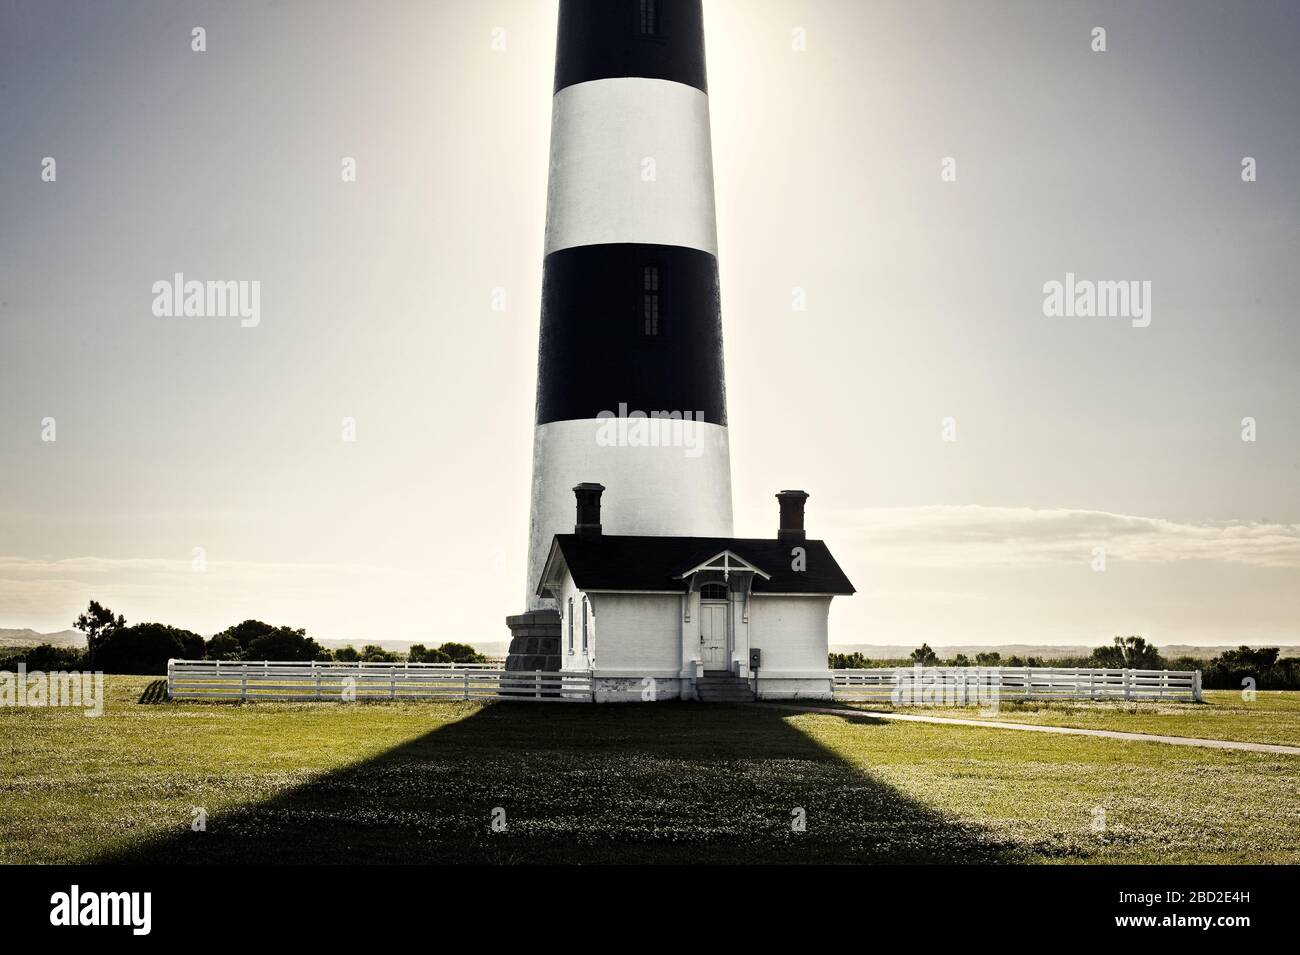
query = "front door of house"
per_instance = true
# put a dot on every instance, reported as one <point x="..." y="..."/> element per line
<point x="713" y="636"/>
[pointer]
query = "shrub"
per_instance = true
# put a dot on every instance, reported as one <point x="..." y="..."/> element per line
<point x="145" y="648"/>
<point x="373" y="653"/>
<point x="285" y="644"/>
<point x="419" y="653"/>
<point x="45" y="657"/>
<point x="461" y="653"/>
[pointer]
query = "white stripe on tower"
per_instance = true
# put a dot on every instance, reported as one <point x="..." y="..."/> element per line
<point x="630" y="304"/>
<point x="601" y="134"/>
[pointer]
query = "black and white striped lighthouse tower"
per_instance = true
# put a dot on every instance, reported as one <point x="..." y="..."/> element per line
<point x="631" y="322"/>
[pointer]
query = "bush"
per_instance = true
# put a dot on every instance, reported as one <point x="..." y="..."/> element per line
<point x="223" y="646"/>
<point x="285" y="645"/>
<point x="419" y="653"/>
<point x="461" y="653"/>
<point x="44" y="657"/>
<point x="1229" y="669"/>
<point x="373" y="653"/>
<point x="145" y="648"/>
<point x="924" y="656"/>
<point x="241" y="635"/>
<point x="1129" y="652"/>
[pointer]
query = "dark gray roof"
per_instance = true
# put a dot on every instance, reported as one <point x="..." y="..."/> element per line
<point x="654" y="563"/>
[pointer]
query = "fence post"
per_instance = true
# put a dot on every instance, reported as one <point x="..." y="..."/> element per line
<point x="466" y="675"/>
<point x="537" y="684"/>
<point x="392" y="683"/>
<point x="1029" y="683"/>
<point x="243" y="682"/>
<point x="316" y="673"/>
<point x="1128" y="692"/>
<point x="170" y="663"/>
<point x="1196" y="687"/>
<point x="1164" y="682"/>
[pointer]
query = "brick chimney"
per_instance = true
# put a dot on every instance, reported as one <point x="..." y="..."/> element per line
<point x="588" y="522"/>
<point x="792" y="516"/>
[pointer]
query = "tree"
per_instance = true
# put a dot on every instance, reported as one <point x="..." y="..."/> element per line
<point x="243" y="634"/>
<point x="374" y="653"/>
<point x="924" y="656"/>
<point x="45" y="656"/>
<point x="419" y="653"/>
<point x="145" y="648"/>
<point x="989" y="659"/>
<point x="461" y="653"/>
<point x="1229" y="669"/>
<point x="346" y="654"/>
<point x="1129" y="652"/>
<point x="97" y="623"/>
<point x="223" y="646"/>
<point x="284" y="644"/>
<point x="961" y="660"/>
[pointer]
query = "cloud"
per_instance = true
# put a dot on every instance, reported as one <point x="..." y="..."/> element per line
<point x="975" y="536"/>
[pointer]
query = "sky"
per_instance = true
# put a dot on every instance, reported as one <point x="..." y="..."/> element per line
<point x="983" y="471"/>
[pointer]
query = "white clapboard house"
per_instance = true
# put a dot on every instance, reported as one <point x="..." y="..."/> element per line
<point x="712" y="618"/>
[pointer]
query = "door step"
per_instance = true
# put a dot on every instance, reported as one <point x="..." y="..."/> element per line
<point x="723" y="688"/>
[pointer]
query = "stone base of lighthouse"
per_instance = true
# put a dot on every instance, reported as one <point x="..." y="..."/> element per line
<point x="534" y="641"/>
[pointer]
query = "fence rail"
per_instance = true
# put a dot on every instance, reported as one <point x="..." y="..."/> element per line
<point x="961" y="685"/>
<point x="272" y="680"/>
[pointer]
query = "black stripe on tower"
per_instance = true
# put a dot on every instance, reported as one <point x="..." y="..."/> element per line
<point x="634" y="324"/>
<point x="659" y="39"/>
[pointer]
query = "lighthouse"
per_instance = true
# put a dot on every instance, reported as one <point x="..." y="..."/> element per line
<point x="631" y="391"/>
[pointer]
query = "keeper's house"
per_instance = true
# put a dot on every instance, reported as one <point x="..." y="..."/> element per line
<point x="710" y="618"/>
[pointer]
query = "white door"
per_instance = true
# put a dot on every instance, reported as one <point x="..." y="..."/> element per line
<point x="713" y="636"/>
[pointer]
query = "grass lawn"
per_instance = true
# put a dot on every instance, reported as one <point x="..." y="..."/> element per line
<point x="1272" y="717"/>
<point x="673" y="782"/>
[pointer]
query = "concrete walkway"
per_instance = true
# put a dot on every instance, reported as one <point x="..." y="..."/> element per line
<point x="1031" y="728"/>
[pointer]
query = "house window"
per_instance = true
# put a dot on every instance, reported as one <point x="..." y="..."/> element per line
<point x="584" y="624"/>
<point x="713" y="592"/>
<point x="570" y="624"/>
<point x="650" y="325"/>
<point x="649" y="22"/>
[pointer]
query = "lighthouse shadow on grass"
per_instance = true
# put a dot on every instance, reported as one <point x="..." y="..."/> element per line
<point x="670" y="783"/>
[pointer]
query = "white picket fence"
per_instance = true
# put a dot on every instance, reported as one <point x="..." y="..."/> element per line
<point x="272" y="680"/>
<point x="971" y="685"/>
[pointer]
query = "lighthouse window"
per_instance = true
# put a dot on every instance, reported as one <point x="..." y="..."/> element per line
<point x="650" y="301"/>
<point x="649" y="17"/>
<point x="584" y="624"/>
<point x="570" y="624"/>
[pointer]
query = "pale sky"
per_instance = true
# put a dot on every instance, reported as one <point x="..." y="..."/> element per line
<point x="924" y="301"/>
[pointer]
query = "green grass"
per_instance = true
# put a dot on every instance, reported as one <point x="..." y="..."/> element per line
<point x="1272" y="717"/>
<point x="417" y="782"/>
